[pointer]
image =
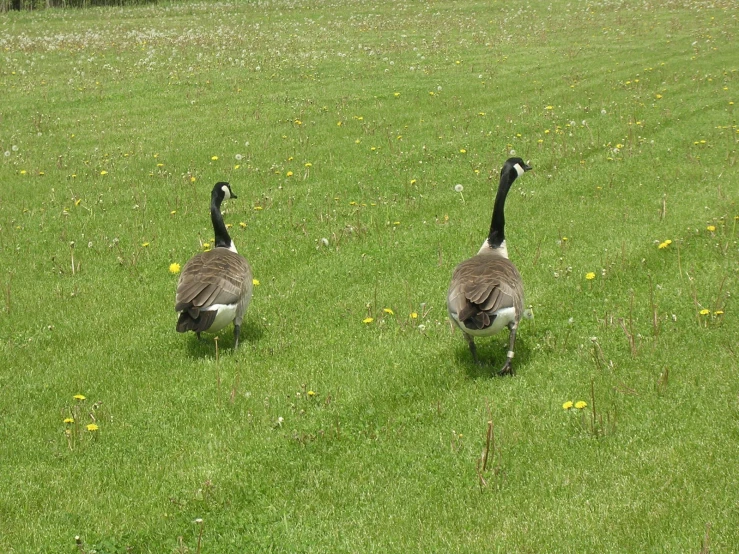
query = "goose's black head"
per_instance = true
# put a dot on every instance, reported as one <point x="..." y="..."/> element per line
<point x="514" y="167"/>
<point x="222" y="191"/>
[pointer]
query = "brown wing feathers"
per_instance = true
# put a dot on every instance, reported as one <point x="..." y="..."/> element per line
<point x="214" y="277"/>
<point x="481" y="287"/>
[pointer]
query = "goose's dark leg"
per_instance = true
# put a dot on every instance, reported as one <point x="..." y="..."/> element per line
<point x="197" y="333"/>
<point x="473" y="349"/>
<point x="237" y="330"/>
<point x="507" y="367"/>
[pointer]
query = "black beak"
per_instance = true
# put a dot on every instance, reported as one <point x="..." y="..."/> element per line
<point x="527" y="167"/>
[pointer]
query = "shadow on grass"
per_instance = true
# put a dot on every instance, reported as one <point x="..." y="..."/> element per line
<point x="492" y="354"/>
<point x="251" y="332"/>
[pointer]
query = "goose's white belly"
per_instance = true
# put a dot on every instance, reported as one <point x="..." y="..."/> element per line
<point x="502" y="319"/>
<point x="226" y="314"/>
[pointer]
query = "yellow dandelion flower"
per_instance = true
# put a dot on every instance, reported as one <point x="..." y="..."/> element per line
<point x="206" y="246"/>
<point x="92" y="427"/>
<point x="388" y="311"/>
<point x="192" y="179"/>
<point x="103" y="172"/>
<point x="242" y="225"/>
<point x="338" y="123"/>
<point x="23" y="171"/>
<point x="581" y="404"/>
<point x="413" y="181"/>
<point x="705" y="311"/>
<point x="144" y="244"/>
<point x="79" y="397"/>
<point x="258" y="208"/>
<point x="214" y="158"/>
<point x="255" y="282"/>
<point x="718" y="312"/>
<point x="308" y="165"/>
<point x="173" y="212"/>
<point x="711" y="228"/>
<point x="590" y="276"/>
<point x="663" y="245"/>
<point x="668" y="242"/>
<point x="567" y="405"/>
<point x="160" y="165"/>
<point x="289" y="174"/>
<point x="69" y="420"/>
<point x="367" y="320"/>
<point x="396" y="94"/>
<point x="396" y="222"/>
<point x="549" y="108"/>
<point x="462" y="151"/>
<point x="658" y="96"/>
<point x="174" y="268"/>
<point x="311" y="393"/>
<point x="414" y="315"/>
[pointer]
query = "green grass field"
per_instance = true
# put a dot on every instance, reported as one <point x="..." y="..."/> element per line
<point x="343" y="127"/>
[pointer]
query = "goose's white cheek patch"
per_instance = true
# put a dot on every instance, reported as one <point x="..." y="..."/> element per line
<point x="227" y="192"/>
<point x="519" y="169"/>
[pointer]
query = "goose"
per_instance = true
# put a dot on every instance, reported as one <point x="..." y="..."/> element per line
<point x="215" y="287"/>
<point x="486" y="291"/>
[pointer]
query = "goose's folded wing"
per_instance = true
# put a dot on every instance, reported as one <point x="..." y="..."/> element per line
<point x="483" y="286"/>
<point x="213" y="277"/>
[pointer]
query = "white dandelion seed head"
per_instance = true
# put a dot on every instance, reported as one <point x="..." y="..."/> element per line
<point x="603" y="112"/>
<point x="7" y="153"/>
<point x="14" y="148"/>
<point x="239" y="157"/>
<point x="513" y="152"/>
<point x="458" y="188"/>
<point x="246" y="144"/>
<point x="324" y="241"/>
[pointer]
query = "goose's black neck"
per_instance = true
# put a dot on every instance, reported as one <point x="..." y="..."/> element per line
<point x="497" y="225"/>
<point x="223" y="239"/>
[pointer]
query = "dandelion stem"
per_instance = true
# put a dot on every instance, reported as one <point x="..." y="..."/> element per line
<point x="717" y="305"/>
<point x="7" y="293"/>
<point x="655" y="317"/>
<point x="592" y="404"/>
<point x="664" y="206"/>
